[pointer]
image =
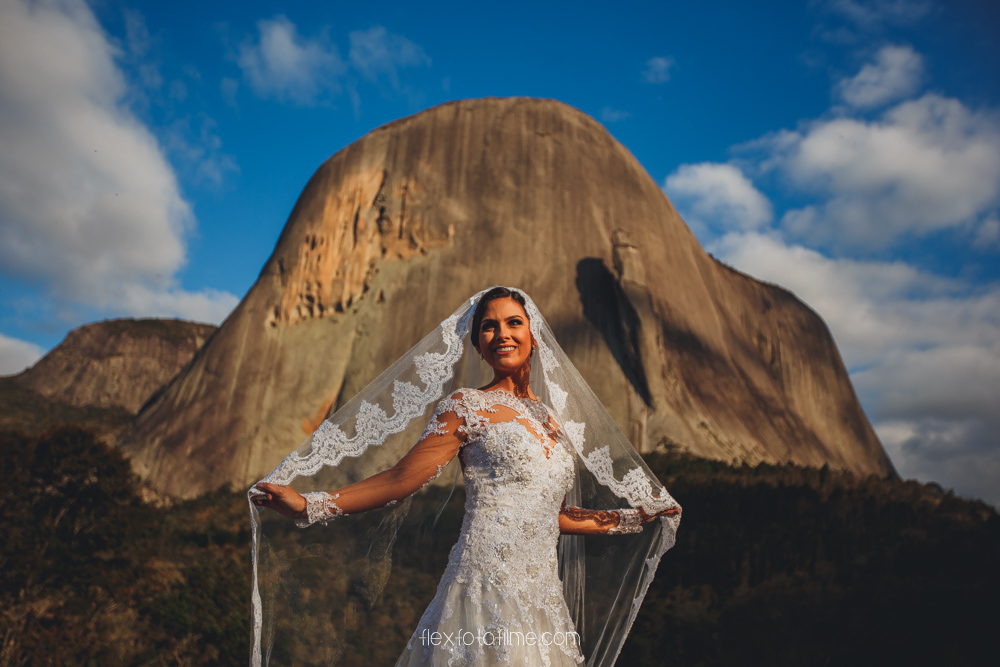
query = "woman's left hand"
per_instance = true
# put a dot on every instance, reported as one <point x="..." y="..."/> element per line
<point x="647" y="518"/>
<point x="282" y="499"/>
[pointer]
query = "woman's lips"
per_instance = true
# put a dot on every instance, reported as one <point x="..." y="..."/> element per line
<point x="504" y="349"/>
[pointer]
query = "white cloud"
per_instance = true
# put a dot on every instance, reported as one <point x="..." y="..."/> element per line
<point x="89" y="206"/>
<point x="928" y="164"/>
<point x="658" y="69"/>
<point x="610" y="115"/>
<point x="872" y="307"/>
<point x="959" y="454"/>
<point x="925" y="352"/>
<point x="872" y="14"/>
<point x="282" y="64"/>
<point x="137" y="36"/>
<point x="376" y="52"/>
<point x="198" y="149"/>
<point x="987" y="235"/>
<point x="953" y="379"/>
<point x="717" y="197"/>
<point x="16" y="355"/>
<point x="208" y="305"/>
<point x="139" y="43"/>
<point x="895" y="74"/>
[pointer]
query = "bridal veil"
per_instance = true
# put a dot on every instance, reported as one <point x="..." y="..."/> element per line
<point x="351" y="591"/>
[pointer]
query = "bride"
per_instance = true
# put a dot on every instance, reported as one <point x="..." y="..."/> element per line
<point x="526" y="466"/>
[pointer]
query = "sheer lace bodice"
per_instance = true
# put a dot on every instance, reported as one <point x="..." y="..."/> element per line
<point x="500" y="600"/>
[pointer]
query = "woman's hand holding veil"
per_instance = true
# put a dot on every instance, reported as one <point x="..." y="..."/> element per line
<point x="579" y="521"/>
<point x="647" y="518"/>
<point x="282" y="499"/>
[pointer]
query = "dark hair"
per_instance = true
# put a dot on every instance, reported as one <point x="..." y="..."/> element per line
<point x="493" y="295"/>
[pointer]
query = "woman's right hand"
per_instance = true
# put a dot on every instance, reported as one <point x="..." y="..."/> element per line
<point x="282" y="499"/>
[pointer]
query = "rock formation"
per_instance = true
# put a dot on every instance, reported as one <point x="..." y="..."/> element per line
<point x="115" y="363"/>
<point x="395" y="230"/>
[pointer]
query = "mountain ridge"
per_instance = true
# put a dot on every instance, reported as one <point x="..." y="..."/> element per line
<point x="115" y="363"/>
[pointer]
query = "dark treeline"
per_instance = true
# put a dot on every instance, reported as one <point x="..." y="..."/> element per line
<point x="774" y="565"/>
<point x="782" y="565"/>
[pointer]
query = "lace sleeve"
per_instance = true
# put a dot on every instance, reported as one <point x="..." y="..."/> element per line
<point x="320" y="508"/>
<point x="462" y="406"/>
<point x="436" y="448"/>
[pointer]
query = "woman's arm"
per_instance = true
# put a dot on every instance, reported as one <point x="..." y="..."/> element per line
<point x="420" y="465"/>
<point x="579" y="521"/>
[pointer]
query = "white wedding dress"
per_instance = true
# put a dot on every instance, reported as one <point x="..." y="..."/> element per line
<point x="500" y="600"/>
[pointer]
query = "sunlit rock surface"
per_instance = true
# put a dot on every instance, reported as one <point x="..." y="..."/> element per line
<point x="115" y="363"/>
<point x="393" y="232"/>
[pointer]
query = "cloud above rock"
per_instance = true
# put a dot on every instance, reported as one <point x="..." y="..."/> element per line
<point x="280" y="63"/>
<point x="926" y="165"/>
<point x="924" y="352"/>
<point x="923" y="349"/>
<point x="611" y="115"/>
<point x="895" y="74"/>
<point x="874" y="14"/>
<point x="377" y="53"/>
<point x="717" y="197"/>
<point x="658" y="70"/>
<point x="16" y="355"/>
<point x="90" y="208"/>
<point x="875" y="309"/>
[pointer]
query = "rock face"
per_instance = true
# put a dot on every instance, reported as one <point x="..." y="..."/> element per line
<point x="393" y="232"/>
<point x="116" y="363"/>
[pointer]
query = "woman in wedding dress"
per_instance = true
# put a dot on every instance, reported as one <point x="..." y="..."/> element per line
<point x="500" y="600"/>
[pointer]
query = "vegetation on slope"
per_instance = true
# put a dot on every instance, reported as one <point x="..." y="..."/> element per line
<point x="775" y="565"/>
<point x="25" y="411"/>
<point x="92" y="575"/>
<point x="781" y="565"/>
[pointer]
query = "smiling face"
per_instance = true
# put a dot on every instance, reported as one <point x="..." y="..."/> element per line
<point x="504" y="337"/>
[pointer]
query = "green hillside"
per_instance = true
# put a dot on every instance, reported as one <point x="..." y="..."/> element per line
<point x="774" y="565"/>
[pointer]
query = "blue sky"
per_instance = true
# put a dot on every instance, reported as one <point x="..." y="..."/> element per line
<point x="847" y="150"/>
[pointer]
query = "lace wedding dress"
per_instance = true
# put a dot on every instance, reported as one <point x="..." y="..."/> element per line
<point x="514" y="592"/>
<point x="500" y="600"/>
